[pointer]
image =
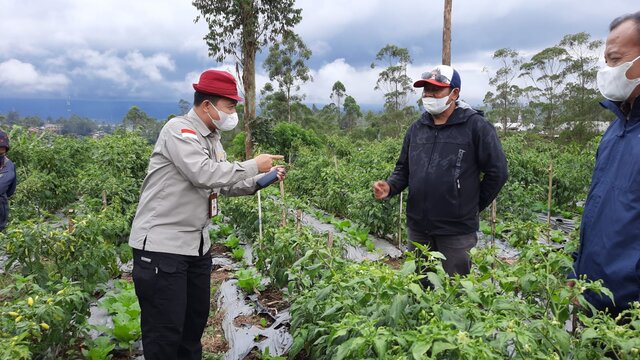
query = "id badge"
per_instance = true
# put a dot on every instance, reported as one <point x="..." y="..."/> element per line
<point x="213" y="205"/>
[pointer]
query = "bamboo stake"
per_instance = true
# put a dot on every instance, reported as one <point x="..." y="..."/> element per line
<point x="549" y="201"/>
<point x="399" y="237"/>
<point x="298" y="219"/>
<point x="494" y="206"/>
<point x="104" y="199"/>
<point x="284" y="205"/>
<point x="259" y="216"/>
<point x="72" y="225"/>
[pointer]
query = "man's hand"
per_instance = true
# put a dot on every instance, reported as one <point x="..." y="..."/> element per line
<point x="381" y="190"/>
<point x="282" y="172"/>
<point x="265" y="162"/>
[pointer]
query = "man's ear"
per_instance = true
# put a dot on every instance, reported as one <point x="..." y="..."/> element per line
<point x="457" y="93"/>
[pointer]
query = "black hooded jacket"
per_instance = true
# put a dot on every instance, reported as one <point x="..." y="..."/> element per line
<point x="442" y="166"/>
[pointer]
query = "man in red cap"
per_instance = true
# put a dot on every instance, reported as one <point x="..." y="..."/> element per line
<point x="453" y="164"/>
<point x="187" y="171"/>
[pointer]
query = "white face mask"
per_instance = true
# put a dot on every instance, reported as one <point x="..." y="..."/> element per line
<point x="227" y="122"/>
<point x="613" y="82"/>
<point x="435" y="106"/>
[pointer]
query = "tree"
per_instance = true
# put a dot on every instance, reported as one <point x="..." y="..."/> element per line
<point x="351" y="113"/>
<point x="546" y="71"/>
<point x="12" y="118"/>
<point x="138" y="121"/>
<point x="240" y="28"/>
<point x="505" y="102"/>
<point x="580" y="103"/>
<point x="78" y="126"/>
<point x="393" y="80"/>
<point x="286" y="66"/>
<point x="184" y="106"/>
<point x="338" y="92"/>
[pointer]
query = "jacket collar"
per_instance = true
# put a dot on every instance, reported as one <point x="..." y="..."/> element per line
<point x="616" y="108"/>
<point x="198" y="123"/>
<point x="460" y="115"/>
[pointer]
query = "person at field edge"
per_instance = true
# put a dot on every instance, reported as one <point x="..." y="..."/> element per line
<point x="610" y="230"/>
<point x="187" y="171"/>
<point x="8" y="179"/>
<point x="442" y="158"/>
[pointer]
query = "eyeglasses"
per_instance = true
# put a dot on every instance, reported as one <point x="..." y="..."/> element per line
<point x="435" y="76"/>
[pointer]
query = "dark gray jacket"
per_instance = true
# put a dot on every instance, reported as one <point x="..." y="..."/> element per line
<point x="442" y="166"/>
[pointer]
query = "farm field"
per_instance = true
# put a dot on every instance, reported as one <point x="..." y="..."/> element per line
<point x="299" y="289"/>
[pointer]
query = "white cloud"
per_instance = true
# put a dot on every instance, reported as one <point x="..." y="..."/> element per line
<point x="22" y="77"/>
<point x="150" y="66"/>
<point x="139" y="48"/>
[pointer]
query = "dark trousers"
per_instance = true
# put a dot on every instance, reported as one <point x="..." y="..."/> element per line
<point x="174" y="294"/>
<point x="454" y="247"/>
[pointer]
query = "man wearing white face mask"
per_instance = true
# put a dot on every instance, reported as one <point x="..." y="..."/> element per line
<point x="610" y="230"/>
<point x="187" y="171"/>
<point x="453" y="163"/>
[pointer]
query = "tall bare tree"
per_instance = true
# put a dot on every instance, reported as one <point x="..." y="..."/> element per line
<point x="240" y="28"/>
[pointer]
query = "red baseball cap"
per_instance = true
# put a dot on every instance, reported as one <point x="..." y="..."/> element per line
<point x="217" y="82"/>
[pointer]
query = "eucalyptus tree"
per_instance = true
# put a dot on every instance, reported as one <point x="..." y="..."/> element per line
<point x="393" y="80"/>
<point x="240" y="28"/>
<point x="286" y="66"/>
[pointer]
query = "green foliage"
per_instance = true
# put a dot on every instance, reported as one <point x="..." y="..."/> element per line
<point x="99" y="349"/>
<point x="41" y="322"/>
<point x="339" y="180"/>
<point x="122" y="305"/>
<point x="249" y="280"/>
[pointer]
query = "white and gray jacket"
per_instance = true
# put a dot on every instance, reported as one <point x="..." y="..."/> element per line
<point x="188" y="163"/>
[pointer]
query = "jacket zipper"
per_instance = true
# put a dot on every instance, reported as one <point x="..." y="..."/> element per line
<point x="435" y="143"/>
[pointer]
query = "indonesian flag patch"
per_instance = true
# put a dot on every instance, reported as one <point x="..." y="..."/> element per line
<point x="188" y="133"/>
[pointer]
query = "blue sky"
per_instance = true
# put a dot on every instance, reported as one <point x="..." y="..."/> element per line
<point x="152" y="50"/>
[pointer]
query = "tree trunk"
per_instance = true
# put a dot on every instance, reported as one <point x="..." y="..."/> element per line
<point x="446" y="33"/>
<point x="249" y="48"/>
<point x="289" y="104"/>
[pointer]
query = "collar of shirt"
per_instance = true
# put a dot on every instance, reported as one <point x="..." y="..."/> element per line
<point x="199" y="124"/>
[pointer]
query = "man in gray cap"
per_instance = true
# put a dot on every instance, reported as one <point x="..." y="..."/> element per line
<point x="187" y="171"/>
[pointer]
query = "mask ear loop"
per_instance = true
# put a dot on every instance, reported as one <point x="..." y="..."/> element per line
<point x="632" y="62"/>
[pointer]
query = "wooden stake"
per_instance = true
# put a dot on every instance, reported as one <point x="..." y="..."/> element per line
<point x="259" y="216"/>
<point x="330" y="240"/>
<point x="284" y="205"/>
<point x="298" y="219"/>
<point x="549" y="201"/>
<point x="104" y="199"/>
<point x="72" y="225"/>
<point x="399" y="237"/>
<point x="494" y="206"/>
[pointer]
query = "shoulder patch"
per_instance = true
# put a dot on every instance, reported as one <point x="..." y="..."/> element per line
<point x="188" y="133"/>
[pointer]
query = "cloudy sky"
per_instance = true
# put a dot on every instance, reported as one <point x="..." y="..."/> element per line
<point x="152" y="50"/>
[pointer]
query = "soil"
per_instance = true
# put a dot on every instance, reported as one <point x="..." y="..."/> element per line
<point x="249" y="320"/>
<point x="213" y="340"/>
<point x="219" y="249"/>
<point x="394" y="263"/>
<point x="217" y="277"/>
<point x="273" y="299"/>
